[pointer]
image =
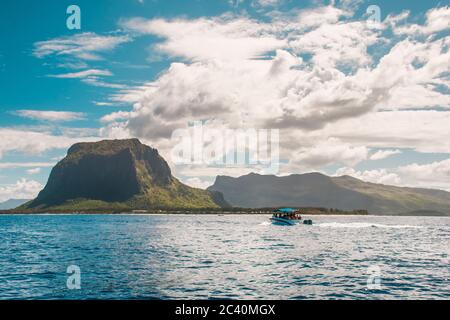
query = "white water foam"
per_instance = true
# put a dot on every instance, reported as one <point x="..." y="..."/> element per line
<point x="364" y="225"/>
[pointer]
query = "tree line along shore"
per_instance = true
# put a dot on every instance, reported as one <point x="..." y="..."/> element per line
<point x="305" y="211"/>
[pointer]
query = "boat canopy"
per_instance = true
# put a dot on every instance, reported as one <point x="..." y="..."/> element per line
<point x="286" y="210"/>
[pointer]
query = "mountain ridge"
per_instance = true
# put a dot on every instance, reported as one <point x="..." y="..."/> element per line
<point x="318" y="190"/>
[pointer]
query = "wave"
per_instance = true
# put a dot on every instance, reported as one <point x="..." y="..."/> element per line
<point x="364" y="225"/>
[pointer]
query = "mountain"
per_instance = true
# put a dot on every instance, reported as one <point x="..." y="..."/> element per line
<point x="12" y="203"/>
<point x="117" y="175"/>
<point x="318" y="190"/>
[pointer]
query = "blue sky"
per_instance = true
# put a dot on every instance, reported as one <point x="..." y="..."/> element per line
<point x="60" y="86"/>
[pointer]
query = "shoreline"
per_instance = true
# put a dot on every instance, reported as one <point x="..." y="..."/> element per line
<point x="215" y="214"/>
<point x="208" y="213"/>
<point x="214" y="211"/>
<point x="220" y="212"/>
<point x="173" y="214"/>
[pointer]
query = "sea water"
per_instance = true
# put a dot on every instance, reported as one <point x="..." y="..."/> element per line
<point x="223" y="257"/>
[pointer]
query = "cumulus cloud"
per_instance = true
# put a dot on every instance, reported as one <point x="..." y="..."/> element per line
<point x="115" y="116"/>
<point x="429" y="175"/>
<point x="324" y="15"/>
<point x="435" y="174"/>
<point x="22" y="189"/>
<point x="328" y="152"/>
<point x="437" y="19"/>
<point x="50" y="115"/>
<point x="421" y="130"/>
<point x="284" y="90"/>
<point x="382" y="176"/>
<point x="335" y="87"/>
<point x="209" y="38"/>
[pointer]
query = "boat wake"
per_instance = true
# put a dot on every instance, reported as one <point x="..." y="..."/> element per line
<point x="364" y="225"/>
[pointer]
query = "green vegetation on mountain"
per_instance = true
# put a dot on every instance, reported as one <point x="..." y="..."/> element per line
<point x="117" y="175"/>
<point x="318" y="190"/>
<point x="399" y="200"/>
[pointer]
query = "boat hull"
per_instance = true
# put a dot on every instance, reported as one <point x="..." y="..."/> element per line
<point x="284" y="222"/>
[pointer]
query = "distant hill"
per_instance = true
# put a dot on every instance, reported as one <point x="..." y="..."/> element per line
<point x="318" y="190"/>
<point x="12" y="203"/>
<point x="117" y="175"/>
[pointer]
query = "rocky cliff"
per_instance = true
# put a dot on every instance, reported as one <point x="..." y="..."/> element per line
<point x="117" y="175"/>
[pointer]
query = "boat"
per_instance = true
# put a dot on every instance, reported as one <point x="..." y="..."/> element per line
<point x="286" y="216"/>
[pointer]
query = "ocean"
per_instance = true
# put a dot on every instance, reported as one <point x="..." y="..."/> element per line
<point x="223" y="257"/>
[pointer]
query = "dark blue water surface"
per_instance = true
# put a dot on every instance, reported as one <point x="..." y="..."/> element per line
<point x="210" y="256"/>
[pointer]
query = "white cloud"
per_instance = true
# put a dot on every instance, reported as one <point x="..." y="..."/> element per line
<point x="12" y="165"/>
<point x="321" y="16"/>
<point x="328" y="152"/>
<point x="224" y="38"/>
<point x="103" y="103"/>
<point x="383" y="154"/>
<point x="435" y="174"/>
<point x="91" y="77"/>
<point x="223" y="80"/>
<point x="421" y="130"/>
<point x="382" y="176"/>
<point x="198" y="183"/>
<point x="394" y="20"/>
<point x="267" y="3"/>
<point x="323" y="85"/>
<point x="34" y="171"/>
<point x="22" y="189"/>
<point x="96" y="82"/>
<point x="50" y="115"/>
<point x="351" y="4"/>
<point x="116" y="116"/>
<point x="437" y="19"/>
<point x="73" y="65"/>
<point x="85" y="46"/>
<point x="339" y="43"/>
<point x="35" y="143"/>
<point x="191" y="172"/>
<point x="235" y="3"/>
<point x="77" y="48"/>
<point x="82" y="74"/>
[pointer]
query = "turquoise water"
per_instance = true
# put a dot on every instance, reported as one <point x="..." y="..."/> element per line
<point x="230" y="257"/>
